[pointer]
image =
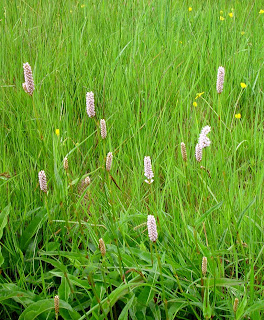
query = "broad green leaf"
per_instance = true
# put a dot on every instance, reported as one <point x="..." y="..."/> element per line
<point x="11" y="291"/>
<point x="55" y="263"/>
<point x="114" y="296"/>
<point x="32" y="229"/>
<point x="124" y="314"/>
<point x="1" y="258"/>
<point x="257" y="306"/>
<point x="64" y="290"/>
<point x="36" y="309"/>
<point x="3" y="219"/>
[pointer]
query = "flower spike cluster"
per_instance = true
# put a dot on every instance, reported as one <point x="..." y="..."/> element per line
<point x="204" y="141"/>
<point x="220" y="80"/>
<point x="183" y="152"/>
<point x="152" y="228"/>
<point x="198" y="152"/>
<point x="42" y="181"/>
<point x="148" y="170"/>
<point x="109" y="159"/>
<point x="90" y="104"/>
<point x="28" y="85"/>
<point x="103" y="128"/>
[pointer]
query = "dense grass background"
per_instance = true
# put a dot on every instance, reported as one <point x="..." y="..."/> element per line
<point x="145" y="61"/>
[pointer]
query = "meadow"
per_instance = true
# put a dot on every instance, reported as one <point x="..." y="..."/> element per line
<point x="187" y="245"/>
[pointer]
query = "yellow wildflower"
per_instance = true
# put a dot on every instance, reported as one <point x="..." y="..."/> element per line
<point x="198" y="95"/>
<point x="221" y="11"/>
<point x="190" y="9"/>
<point x="242" y="33"/>
<point x="195" y="104"/>
<point x="57" y="131"/>
<point x="261" y="11"/>
<point x="238" y="116"/>
<point x="231" y="14"/>
<point x="243" y="85"/>
<point x="83" y="5"/>
<point x="222" y="18"/>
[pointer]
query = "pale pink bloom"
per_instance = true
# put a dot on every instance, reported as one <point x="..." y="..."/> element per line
<point x="198" y="152"/>
<point x="42" y="181"/>
<point x="152" y="228"/>
<point x="148" y="170"/>
<point x="28" y="85"/>
<point x="109" y="160"/>
<point x="204" y="141"/>
<point x="220" y="80"/>
<point x="90" y="104"/>
<point x="103" y="128"/>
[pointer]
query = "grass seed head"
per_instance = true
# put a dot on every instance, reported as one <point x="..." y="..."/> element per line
<point x="65" y="163"/>
<point x="42" y="181"/>
<point x="204" y="266"/>
<point x="148" y="170"/>
<point x="109" y="159"/>
<point x="235" y="305"/>
<point x="102" y="247"/>
<point x="28" y="85"/>
<point x="220" y="80"/>
<point x="90" y="104"/>
<point x="56" y="306"/>
<point x="103" y="128"/>
<point x="183" y="152"/>
<point x="152" y="228"/>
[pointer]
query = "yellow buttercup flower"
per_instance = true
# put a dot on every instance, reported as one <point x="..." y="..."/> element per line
<point x="195" y="104"/>
<point x="261" y="11"/>
<point x="221" y="11"/>
<point x="57" y="131"/>
<point x="222" y="18"/>
<point x="190" y="9"/>
<point x="242" y="33"/>
<point x="198" y="95"/>
<point x="243" y="85"/>
<point x="231" y="14"/>
<point x="238" y="116"/>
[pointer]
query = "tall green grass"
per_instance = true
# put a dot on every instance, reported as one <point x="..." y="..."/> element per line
<point x="145" y="61"/>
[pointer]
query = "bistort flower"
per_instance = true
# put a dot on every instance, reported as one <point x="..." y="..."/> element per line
<point x="204" y="141"/>
<point x="152" y="228"/>
<point x="28" y="85"/>
<point x="90" y="104"/>
<point x="198" y="152"/>
<point x="103" y="128"/>
<point x="220" y="79"/>
<point x="148" y="170"/>
<point x="109" y="159"/>
<point x="42" y="181"/>
<point x="183" y="152"/>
